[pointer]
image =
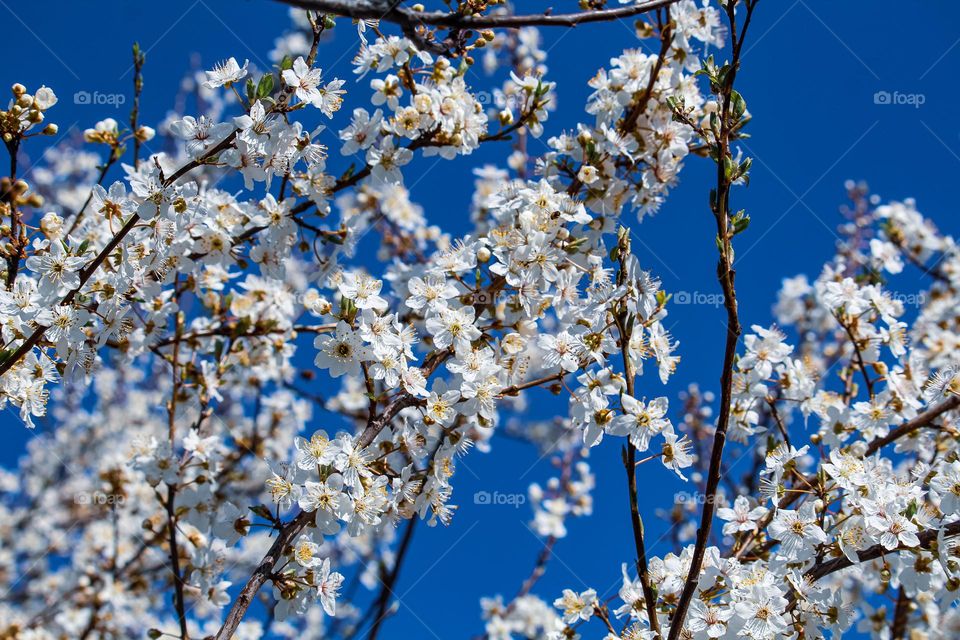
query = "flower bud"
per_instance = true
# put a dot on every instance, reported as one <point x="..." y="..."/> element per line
<point x="145" y="133"/>
<point x="51" y="224"/>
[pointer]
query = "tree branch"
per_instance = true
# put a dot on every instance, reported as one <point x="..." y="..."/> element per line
<point x="822" y="569"/>
<point x="726" y="275"/>
<point x="290" y="531"/>
<point x="366" y="10"/>
<point x="919" y="422"/>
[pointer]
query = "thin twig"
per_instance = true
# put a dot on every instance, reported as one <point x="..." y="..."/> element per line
<point x="409" y="18"/>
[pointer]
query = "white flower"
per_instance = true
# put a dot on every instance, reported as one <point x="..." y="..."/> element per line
<point x="305" y="80"/>
<point x="327" y="500"/>
<point x="342" y="352"/>
<point x="798" y="531"/>
<point x="226" y="73"/>
<point x="386" y="160"/>
<point x="58" y="270"/>
<point x="676" y="453"/>
<point x="576" y="606"/>
<point x="641" y="421"/>
<point x="741" y="517"/>
<point x="328" y="587"/>
<point x="44" y="98"/>
<point x="363" y="290"/>
<point x="440" y="404"/>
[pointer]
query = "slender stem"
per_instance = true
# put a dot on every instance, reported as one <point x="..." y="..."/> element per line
<point x="409" y="18"/>
<point x="138" y="59"/>
<point x="260" y="575"/>
<point x="922" y="420"/>
<point x="384" y="599"/>
<point x="726" y="275"/>
<point x="823" y="569"/>
<point x="901" y="615"/>
<point x="175" y="563"/>
<point x="13" y="259"/>
<point x="630" y="457"/>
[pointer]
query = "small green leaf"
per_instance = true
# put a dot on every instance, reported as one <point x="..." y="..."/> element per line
<point x="265" y="86"/>
<point x="738" y="104"/>
<point x="263" y="511"/>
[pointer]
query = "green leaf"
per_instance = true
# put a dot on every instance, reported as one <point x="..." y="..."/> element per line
<point x="265" y="86"/>
<point x="738" y="104"/>
<point x="729" y="166"/>
<point x="263" y="511"/>
<point x="740" y="222"/>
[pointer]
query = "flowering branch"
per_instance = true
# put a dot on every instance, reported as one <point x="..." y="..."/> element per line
<point x="731" y="111"/>
<point x="389" y="12"/>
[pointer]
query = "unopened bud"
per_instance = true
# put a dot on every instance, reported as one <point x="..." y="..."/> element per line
<point x="145" y="133"/>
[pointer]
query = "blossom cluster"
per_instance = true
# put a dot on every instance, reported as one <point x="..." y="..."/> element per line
<point x="246" y="396"/>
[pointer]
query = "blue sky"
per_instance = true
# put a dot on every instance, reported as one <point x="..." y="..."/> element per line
<point x="811" y="72"/>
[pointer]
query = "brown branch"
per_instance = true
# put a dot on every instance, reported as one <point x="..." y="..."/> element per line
<point x="922" y="420"/>
<point x="726" y="275"/>
<point x="409" y="19"/>
<point x="822" y="569"/>
<point x="376" y="424"/>
<point x="289" y="531"/>
<point x="901" y="615"/>
<point x="630" y="455"/>
<point x="384" y="599"/>
<point x="87" y="272"/>
<point x="175" y="564"/>
<point x="10" y="195"/>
